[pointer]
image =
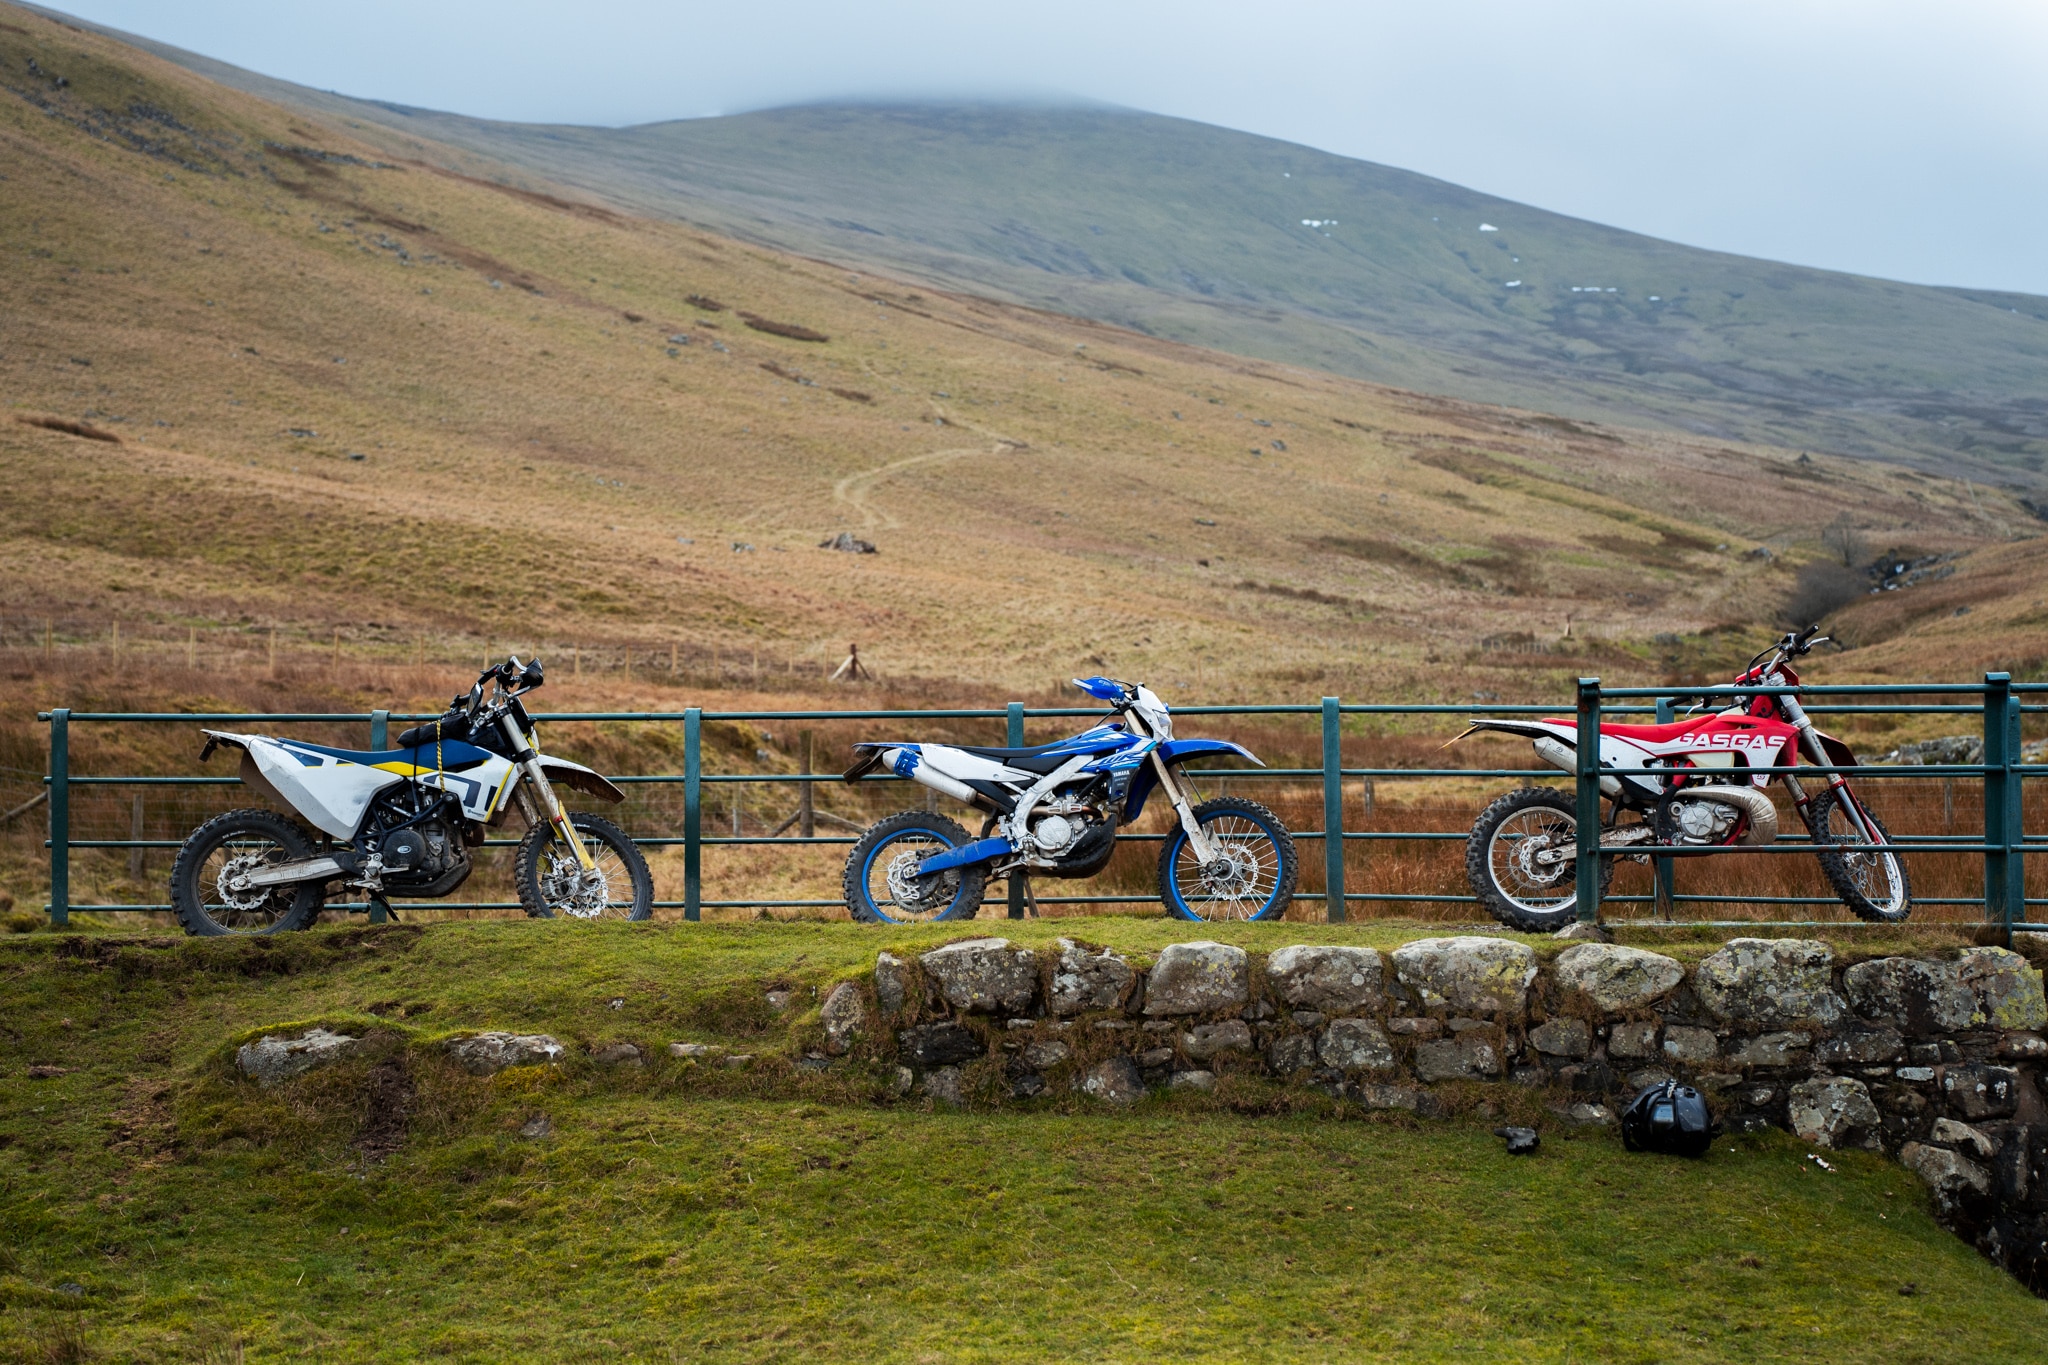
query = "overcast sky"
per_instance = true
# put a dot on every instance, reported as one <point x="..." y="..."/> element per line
<point x="1890" y="138"/>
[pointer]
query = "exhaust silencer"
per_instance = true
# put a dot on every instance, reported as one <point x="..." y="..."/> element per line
<point x="1564" y="756"/>
<point x="931" y="777"/>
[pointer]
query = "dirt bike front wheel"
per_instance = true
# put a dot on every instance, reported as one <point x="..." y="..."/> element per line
<point x="1512" y="860"/>
<point x="1251" y="877"/>
<point x="1871" y="882"/>
<point x="551" y="883"/>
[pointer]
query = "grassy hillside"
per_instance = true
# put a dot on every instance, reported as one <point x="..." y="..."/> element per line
<point x="398" y="411"/>
<point x="392" y="1207"/>
<point x="1270" y="249"/>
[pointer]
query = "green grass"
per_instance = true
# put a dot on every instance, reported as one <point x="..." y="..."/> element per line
<point x="706" y="1214"/>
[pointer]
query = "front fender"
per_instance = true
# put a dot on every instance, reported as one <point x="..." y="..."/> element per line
<point x="1171" y="752"/>
<point x="582" y="779"/>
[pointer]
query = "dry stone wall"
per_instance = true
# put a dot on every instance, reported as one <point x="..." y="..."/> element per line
<point x="1936" y="1062"/>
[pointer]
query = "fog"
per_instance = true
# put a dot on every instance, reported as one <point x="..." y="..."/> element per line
<point x="1896" y="139"/>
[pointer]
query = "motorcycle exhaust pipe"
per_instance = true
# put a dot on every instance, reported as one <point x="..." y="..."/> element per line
<point x="1763" y="815"/>
<point x="1564" y="756"/>
<point x="936" y="780"/>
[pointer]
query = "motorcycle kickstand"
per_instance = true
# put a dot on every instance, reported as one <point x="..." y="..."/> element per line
<point x="1030" y="900"/>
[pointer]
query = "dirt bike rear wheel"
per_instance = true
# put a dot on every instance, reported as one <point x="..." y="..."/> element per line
<point x="1521" y="893"/>
<point x="1873" y="885"/>
<point x="202" y="894"/>
<point x="880" y="880"/>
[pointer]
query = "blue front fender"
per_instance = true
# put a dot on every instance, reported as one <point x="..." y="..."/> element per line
<point x="1171" y="752"/>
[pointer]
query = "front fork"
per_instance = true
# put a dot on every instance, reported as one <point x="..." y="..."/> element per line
<point x="1809" y="744"/>
<point x="1198" y="838"/>
<point x="550" y="806"/>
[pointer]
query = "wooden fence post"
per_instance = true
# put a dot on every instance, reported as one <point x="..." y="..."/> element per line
<point x="806" y="824"/>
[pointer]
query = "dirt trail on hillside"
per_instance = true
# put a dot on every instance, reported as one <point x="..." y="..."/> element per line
<point x="857" y="490"/>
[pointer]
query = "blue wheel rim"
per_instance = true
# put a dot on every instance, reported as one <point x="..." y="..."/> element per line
<point x="867" y="870"/>
<point x="1179" y="903"/>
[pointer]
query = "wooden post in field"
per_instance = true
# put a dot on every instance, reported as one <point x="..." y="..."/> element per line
<point x="273" y="651"/>
<point x="579" y="663"/>
<point x="1948" y="805"/>
<point x="806" y="820"/>
<point x="757" y="665"/>
<point x="419" y="651"/>
<point x="191" y="646"/>
<point x="49" y="639"/>
<point x="629" y="663"/>
<point x="117" y="642"/>
<point x="336" y="665"/>
<point x="135" y="832"/>
<point x="671" y="658"/>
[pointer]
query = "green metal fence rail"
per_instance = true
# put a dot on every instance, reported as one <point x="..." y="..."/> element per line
<point x="1996" y="703"/>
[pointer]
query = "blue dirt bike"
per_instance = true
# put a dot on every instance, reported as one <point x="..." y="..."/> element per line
<point x="1054" y="811"/>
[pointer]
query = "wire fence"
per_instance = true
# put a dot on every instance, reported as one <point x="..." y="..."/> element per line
<point x="1382" y="815"/>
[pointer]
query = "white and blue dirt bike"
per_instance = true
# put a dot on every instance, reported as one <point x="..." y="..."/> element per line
<point x="404" y="821"/>
<point x="1054" y="811"/>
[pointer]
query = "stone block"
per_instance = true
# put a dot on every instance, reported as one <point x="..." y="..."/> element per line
<point x="1387" y="1096"/>
<point x="1772" y="1049"/>
<point x="1916" y="996"/>
<point x="484" y="1054"/>
<point x="1834" y="1111"/>
<point x="1085" y="979"/>
<point x="1633" y="1040"/>
<point x="1192" y="1080"/>
<point x="1197" y="978"/>
<point x="1295" y="1052"/>
<point x="844" y="1014"/>
<point x="892" y="982"/>
<point x="1690" y="1046"/>
<point x="1415" y="1028"/>
<point x="1617" y="978"/>
<point x="1951" y="1176"/>
<point x="942" y="1044"/>
<point x="1959" y="1135"/>
<point x="271" y="1059"/>
<point x="1205" y="1041"/>
<point x="1861" y="1047"/>
<point x="984" y="975"/>
<point x="1457" y="1059"/>
<point x="1473" y="975"/>
<point x="1116" y="1081"/>
<point x="1562" y="1038"/>
<point x="1770" y="983"/>
<point x="617" y="1054"/>
<point x="1977" y="1091"/>
<point x="1045" y="1056"/>
<point x="944" y="1084"/>
<point x="1329" y="978"/>
<point x="2006" y="987"/>
<point x="1356" y="1045"/>
<point x="2023" y="1047"/>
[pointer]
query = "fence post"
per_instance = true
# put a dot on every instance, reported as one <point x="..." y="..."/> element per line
<point x="60" y="817"/>
<point x="1661" y="867"/>
<point x="693" y="816"/>
<point x="1013" y="736"/>
<point x="380" y="730"/>
<point x="1588" y="808"/>
<point x="2003" y="884"/>
<point x="1333" y="812"/>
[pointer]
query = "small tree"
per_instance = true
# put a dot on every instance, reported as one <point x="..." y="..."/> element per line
<point x="1844" y="542"/>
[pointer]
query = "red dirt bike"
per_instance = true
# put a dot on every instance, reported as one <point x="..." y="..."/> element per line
<point x="1522" y="854"/>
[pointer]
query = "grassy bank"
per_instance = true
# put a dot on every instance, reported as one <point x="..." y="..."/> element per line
<point x="669" y="1212"/>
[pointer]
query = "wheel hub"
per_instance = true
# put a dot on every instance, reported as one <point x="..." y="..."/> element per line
<point x="572" y="890"/>
<point x="1230" y="873"/>
<point x="1530" y="862"/>
<point x="232" y="884"/>
<point x="919" y="894"/>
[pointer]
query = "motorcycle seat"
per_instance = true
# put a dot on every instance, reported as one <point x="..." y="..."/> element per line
<point x="1650" y="734"/>
<point x="1040" y="759"/>
<point x="455" y="756"/>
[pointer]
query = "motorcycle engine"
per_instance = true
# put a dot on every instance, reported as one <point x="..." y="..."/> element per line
<point x="423" y="852"/>
<point x="1072" y="837"/>
<point x="1702" y="822"/>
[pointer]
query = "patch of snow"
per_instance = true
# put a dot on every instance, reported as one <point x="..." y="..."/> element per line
<point x="1512" y="284"/>
<point x="1488" y="227"/>
<point x="1655" y="299"/>
<point x="1318" y="222"/>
